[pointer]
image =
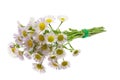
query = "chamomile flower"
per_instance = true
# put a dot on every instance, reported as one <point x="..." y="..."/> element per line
<point x="44" y="49"/>
<point x="22" y="32"/>
<point x="54" y="65"/>
<point x="76" y="52"/>
<point x="61" y="38"/>
<point x="65" y="64"/>
<point x="52" y="57"/>
<point x="28" y="43"/>
<point x="41" y="38"/>
<point x="51" y="37"/>
<point x="27" y="55"/>
<point x="18" y="39"/>
<point x="38" y="57"/>
<point x="20" y="54"/>
<point x="49" y="19"/>
<point x="62" y="18"/>
<point x="12" y="47"/>
<point x="42" y="25"/>
<point x="39" y="67"/>
<point x="59" y="52"/>
<point x="13" y="50"/>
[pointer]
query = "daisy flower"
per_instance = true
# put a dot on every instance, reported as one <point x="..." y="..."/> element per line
<point x="44" y="49"/>
<point x="61" y="38"/>
<point x="65" y="64"/>
<point x="54" y="65"/>
<point x="39" y="67"/>
<point x="76" y="52"/>
<point x="41" y="25"/>
<point x="62" y="18"/>
<point x="52" y="58"/>
<point x="28" y="43"/>
<point x="27" y="55"/>
<point x="22" y="32"/>
<point x="38" y="57"/>
<point x="49" y="19"/>
<point x="59" y="52"/>
<point x="51" y="37"/>
<point x="20" y="55"/>
<point x="18" y="39"/>
<point x="41" y="38"/>
<point x="12" y="47"/>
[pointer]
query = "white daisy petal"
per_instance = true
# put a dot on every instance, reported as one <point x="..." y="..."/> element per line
<point x="49" y="19"/>
<point x="65" y="64"/>
<point x="39" y="67"/>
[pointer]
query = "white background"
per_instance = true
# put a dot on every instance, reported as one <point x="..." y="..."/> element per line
<point x="100" y="56"/>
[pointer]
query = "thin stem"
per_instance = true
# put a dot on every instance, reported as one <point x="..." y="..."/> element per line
<point x="70" y="46"/>
<point x="51" y="27"/>
<point x="66" y="48"/>
<point x="59" y="25"/>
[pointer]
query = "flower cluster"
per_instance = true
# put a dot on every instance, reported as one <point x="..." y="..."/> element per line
<point x="38" y="40"/>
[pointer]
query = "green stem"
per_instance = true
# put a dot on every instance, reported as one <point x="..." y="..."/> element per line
<point x="59" y="25"/>
<point x="66" y="48"/>
<point x="51" y="27"/>
<point x="74" y="33"/>
<point x="70" y="46"/>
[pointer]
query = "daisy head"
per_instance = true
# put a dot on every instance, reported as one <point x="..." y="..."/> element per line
<point x="28" y="43"/>
<point x="38" y="57"/>
<point x="39" y="67"/>
<point x="12" y="47"/>
<point x="61" y="38"/>
<point x="54" y="65"/>
<point x="44" y="49"/>
<point x="41" y="38"/>
<point x="50" y="37"/>
<point x="27" y="55"/>
<point x="20" y="55"/>
<point x="41" y="25"/>
<point x="18" y="39"/>
<point x="23" y="32"/>
<point x="65" y="64"/>
<point x="76" y="52"/>
<point x="49" y="19"/>
<point x="59" y="52"/>
<point x="62" y="18"/>
<point x="52" y="58"/>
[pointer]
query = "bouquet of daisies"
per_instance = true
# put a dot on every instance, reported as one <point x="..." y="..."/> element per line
<point x="39" y="41"/>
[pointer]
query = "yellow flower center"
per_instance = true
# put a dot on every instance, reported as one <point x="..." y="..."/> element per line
<point x="55" y="64"/>
<point x="41" y="38"/>
<point x="24" y="33"/>
<point x="44" y="47"/>
<point x="53" y="57"/>
<point x="50" y="38"/>
<point x="62" y="19"/>
<point x="64" y="63"/>
<point x="38" y="57"/>
<point x="60" y="37"/>
<point x="42" y="26"/>
<point x="59" y="51"/>
<point x="13" y="49"/>
<point x="49" y="20"/>
<point x="39" y="66"/>
<point x="76" y="52"/>
<point x="30" y="43"/>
